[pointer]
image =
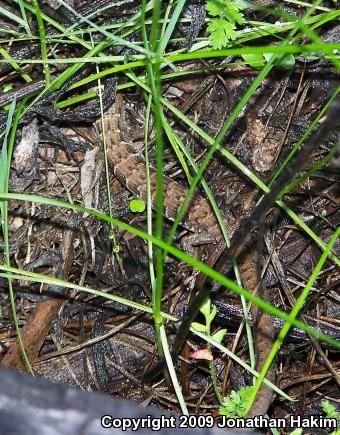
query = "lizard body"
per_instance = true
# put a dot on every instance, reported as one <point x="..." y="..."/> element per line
<point x="129" y="168"/>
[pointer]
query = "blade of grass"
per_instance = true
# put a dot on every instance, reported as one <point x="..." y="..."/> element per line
<point x="8" y="58"/>
<point x="172" y="372"/>
<point x="273" y="49"/>
<point x="5" y="164"/>
<point x="24" y="17"/>
<point x="13" y="17"/>
<point x="115" y="247"/>
<point x="329" y="49"/>
<point x="148" y="194"/>
<point x="170" y="27"/>
<point x="154" y="79"/>
<point x="42" y="35"/>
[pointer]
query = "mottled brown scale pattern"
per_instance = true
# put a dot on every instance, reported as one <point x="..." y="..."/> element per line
<point x="129" y="168"/>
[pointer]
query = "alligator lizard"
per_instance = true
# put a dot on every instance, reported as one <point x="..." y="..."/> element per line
<point x="129" y="168"/>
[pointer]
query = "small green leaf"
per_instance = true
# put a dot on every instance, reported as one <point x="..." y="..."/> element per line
<point x="7" y="88"/>
<point x="219" y="335"/>
<point x="221" y="32"/>
<point x="254" y="60"/>
<point x="297" y="431"/>
<point x="205" y="309"/>
<point x="199" y="327"/>
<point x="286" y="61"/>
<point x="137" y="205"/>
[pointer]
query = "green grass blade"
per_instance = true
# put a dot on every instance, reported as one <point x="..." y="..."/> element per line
<point x="42" y="35"/>
<point x="5" y="163"/>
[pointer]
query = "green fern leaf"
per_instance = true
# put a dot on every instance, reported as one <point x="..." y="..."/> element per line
<point x="233" y="14"/>
<point x="221" y="32"/>
<point x="235" y="405"/>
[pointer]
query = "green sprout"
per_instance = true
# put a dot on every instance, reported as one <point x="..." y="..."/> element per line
<point x="222" y="27"/>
